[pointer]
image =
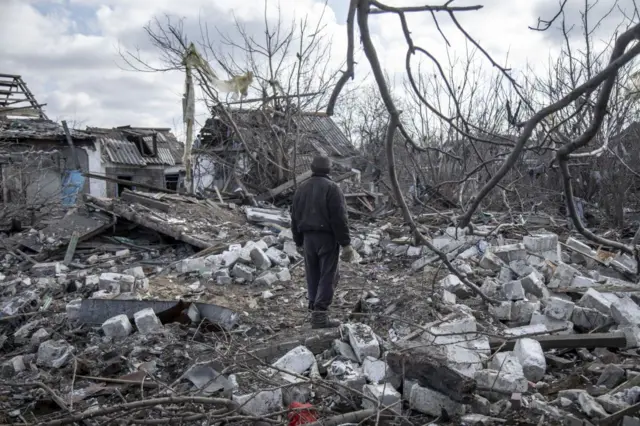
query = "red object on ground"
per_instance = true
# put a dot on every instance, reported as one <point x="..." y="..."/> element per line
<point x="300" y="416"/>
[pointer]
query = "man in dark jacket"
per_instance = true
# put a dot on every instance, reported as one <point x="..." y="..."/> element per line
<point x="319" y="225"/>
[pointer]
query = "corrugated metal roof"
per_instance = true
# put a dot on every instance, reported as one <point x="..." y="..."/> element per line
<point x="164" y="158"/>
<point x="122" y="152"/>
<point x="325" y="127"/>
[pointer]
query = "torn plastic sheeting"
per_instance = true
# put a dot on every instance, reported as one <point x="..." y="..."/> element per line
<point x="97" y="311"/>
<point x="207" y="379"/>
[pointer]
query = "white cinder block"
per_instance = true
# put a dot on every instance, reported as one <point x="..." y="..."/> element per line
<point x="531" y="357"/>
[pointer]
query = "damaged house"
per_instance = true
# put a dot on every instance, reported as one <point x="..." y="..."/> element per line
<point x="151" y="157"/>
<point x="265" y="149"/>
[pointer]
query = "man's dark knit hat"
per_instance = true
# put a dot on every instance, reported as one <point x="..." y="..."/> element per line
<point x="321" y="164"/>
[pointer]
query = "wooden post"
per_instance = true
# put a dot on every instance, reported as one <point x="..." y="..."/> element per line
<point x="74" y="156"/>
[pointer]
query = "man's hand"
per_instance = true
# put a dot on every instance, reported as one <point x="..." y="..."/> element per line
<point x="348" y="254"/>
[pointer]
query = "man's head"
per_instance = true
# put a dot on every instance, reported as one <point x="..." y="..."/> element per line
<point x="321" y="165"/>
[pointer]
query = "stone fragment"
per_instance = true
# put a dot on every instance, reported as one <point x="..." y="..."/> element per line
<point x="533" y="284"/>
<point x="501" y="311"/>
<point x="92" y="280"/>
<point x="545" y="245"/>
<point x="116" y="283"/>
<point x="269" y="240"/>
<point x="12" y="367"/>
<point x="507" y="363"/>
<point x="344" y="350"/>
<point x="386" y="396"/>
<point x="522" y="310"/>
<point x="427" y="401"/>
<point x="260" y="403"/>
<point x="147" y="322"/>
<point x="48" y="269"/>
<point x="558" y="308"/>
<point x="563" y="276"/>
<point x="588" y="405"/>
<point x="266" y="279"/>
<point x="277" y="257"/>
<point x="521" y="268"/>
<point x="509" y="253"/>
<point x="454" y="285"/>
<point x="137" y="272"/>
<point x="73" y="309"/>
<point x="595" y="300"/>
<point x="230" y="257"/>
<point x="531" y="357"/>
<point x="625" y="311"/>
<point x="39" y="336"/>
<point x="491" y="261"/>
<point x="54" y="353"/>
<point x="501" y="382"/>
<point x="243" y="271"/>
<point x="553" y="325"/>
<point x="378" y="371"/>
<point x="611" y="377"/>
<point x="186" y="266"/>
<point x="260" y="259"/>
<point x="283" y="275"/>
<point x="118" y="326"/>
<point x="448" y="297"/>
<point x="589" y="319"/>
<point x="363" y="341"/>
<point x="297" y="360"/>
<point x="513" y="290"/>
<point x="582" y="282"/>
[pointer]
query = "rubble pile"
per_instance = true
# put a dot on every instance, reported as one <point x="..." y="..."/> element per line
<point x="88" y="326"/>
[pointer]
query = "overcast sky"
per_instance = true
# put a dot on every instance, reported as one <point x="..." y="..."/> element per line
<point x="67" y="50"/>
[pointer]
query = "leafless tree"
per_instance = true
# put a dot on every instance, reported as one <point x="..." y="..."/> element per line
<point x="600" y="84"/>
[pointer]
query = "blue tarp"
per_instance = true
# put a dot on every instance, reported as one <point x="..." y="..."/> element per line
<point x="72" y="184"/>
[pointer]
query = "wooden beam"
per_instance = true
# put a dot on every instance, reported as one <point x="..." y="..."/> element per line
<point x="128" y="183"/>
<point x="145" y="201"/>
<point x="74" y="156"/>
<point x="615" y="339"/>
<point x="272" y="193"/>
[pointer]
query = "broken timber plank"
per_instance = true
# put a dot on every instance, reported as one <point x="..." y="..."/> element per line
<point x="600" y="288"/>
<point x="71" y="248"/>
<point x="145" y="201"/>
<point x="614" y="339"/>
<point x="272" y="193"/>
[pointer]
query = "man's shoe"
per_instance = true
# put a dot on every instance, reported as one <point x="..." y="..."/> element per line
<point x="320" y="319"/>
<point x="310" y="307"/>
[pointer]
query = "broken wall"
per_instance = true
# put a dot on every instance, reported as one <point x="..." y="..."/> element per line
<point x="149" y="175"/>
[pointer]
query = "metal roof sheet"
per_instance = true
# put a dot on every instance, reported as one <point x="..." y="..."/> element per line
<point x="122" y="152"/>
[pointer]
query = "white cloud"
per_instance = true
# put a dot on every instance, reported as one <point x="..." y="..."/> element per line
<point x="67" y="50"/>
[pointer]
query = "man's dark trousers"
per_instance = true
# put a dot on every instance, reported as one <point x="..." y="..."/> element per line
<point x="321" y="255"/>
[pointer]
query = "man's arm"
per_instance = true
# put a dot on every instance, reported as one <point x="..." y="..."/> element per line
<point x="298" y="237"/>
<point x="338" y="216"/>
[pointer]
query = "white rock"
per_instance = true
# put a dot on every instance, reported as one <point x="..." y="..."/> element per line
<point x="582" y="282"/>
<point x="39" y="336"/>
<point x="186" y="266"/>
<point x="260" y="259"/>
<point x="588" y="318"/>
<point x="363" y="341"/>
<point x="229" y="258"/>
<point x="147" y="322"/>
<point x="558" y="308"/>
<point x="376" y="370"/>
<point x="48" y="269"/>
<point x="491" y="261"/>
<point x="533" y="284"/>
<point x="277" y="257"/>
<point x="553" y="325"/>
<point x="91" y="280"/>
<point x="344" y="350"/>
<point x="427" y="401"/>
<point x="531" y="357"/>
<point x="54" y="353"/>
<point x="501" y="381"/>
<point x="268" y="241"/>
<point x="513" y="290"/>
<point x="625" y="311"/>
<point x="266" y="279"/>
<point x="116" y="283"/>
<point x="386" y="395"/>
<point x="507" y="363"/>
<point x="283" y="275"/>
<point x="563" y="276"/>
<point x="243" y="271"/>
<point x="593" y="299"/>
<point x="136" y="272"/>
<point x="509" y="253"/>
<point x="543" y="244"/>
<point x="501" y="311"/>
<point x="297" y="360"/>
<point x="522" y="310"/>
<point x="118" y="326"/>
<point x="73" y="309"/>
<point x="260" y="403"/>
<point x="526" y="329"/>
<point x="448" y="297"/>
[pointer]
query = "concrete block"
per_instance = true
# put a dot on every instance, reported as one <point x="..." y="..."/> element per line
<point x="38" y="337"/>
<point x="544" y="244"/>
<point x="243" y="271"/>
<point x="428" y="401"/>
<point x="222" y="277"/>
<point x="418" y="264"/>
<point x="506" y="363"/>
<point x="502" y="382"/>
<point x="582" y="282"/>
<point x="522" y="310"/>
<point x="269" y="240"/>
<point x="244" y="256"/>
<point x="118" y="326"/>
<point x="147" y="322"/>
<point x="229" y="258"/>
<point x="491" y="287"/>
<point x="521" y="268"/>
<point x="15" y="365"/>
<point x="448" y="297"/>
<point x="49" y="269"/>
<point x="559" y="309"/>
<point x="509" y="253"/>
<point x="386" y="395"/>
<point x="414" y="251"/>
<point x="73" y="309"/>
<point x="563" y="276"/>
<point x="378" y="371"/>
<point x="297" y="360"/>
<point x="137" y="272"/>
<point x="344" y="350"/>
<point x="54" y="353"/>
<point x="285" y="235"/>
<point x="490" y="261"/>
<point x="284" y="275"/>
<point x="501" y="311"/>
<point x="186" y="266"/>
<point x="611" y="376"/>
<point x="116" y="283"/>
<point x="513" y="290"/>
<point x="553" y="325"/>
<point x="534" y="284"/>
<point x="277" y="257"/>
<point x="589" y="319"/>
<point x="260" y="259"/>
<point x="625" y="311"/>
<point x="593" y="299"/>
<point x="363" y="341"/>
<point x="506" y="275"/>
<point x="531" y="357"/>
<point x="348" y="374"/>
<point x="92" y="280"/>
<point x="260" y="403"/>
<point x="266" y="279"/>
<point x="290" y="249"/>
<point x="454" y="285"/>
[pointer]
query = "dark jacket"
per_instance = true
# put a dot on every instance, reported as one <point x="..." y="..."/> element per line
<point x="319" y="206"/>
